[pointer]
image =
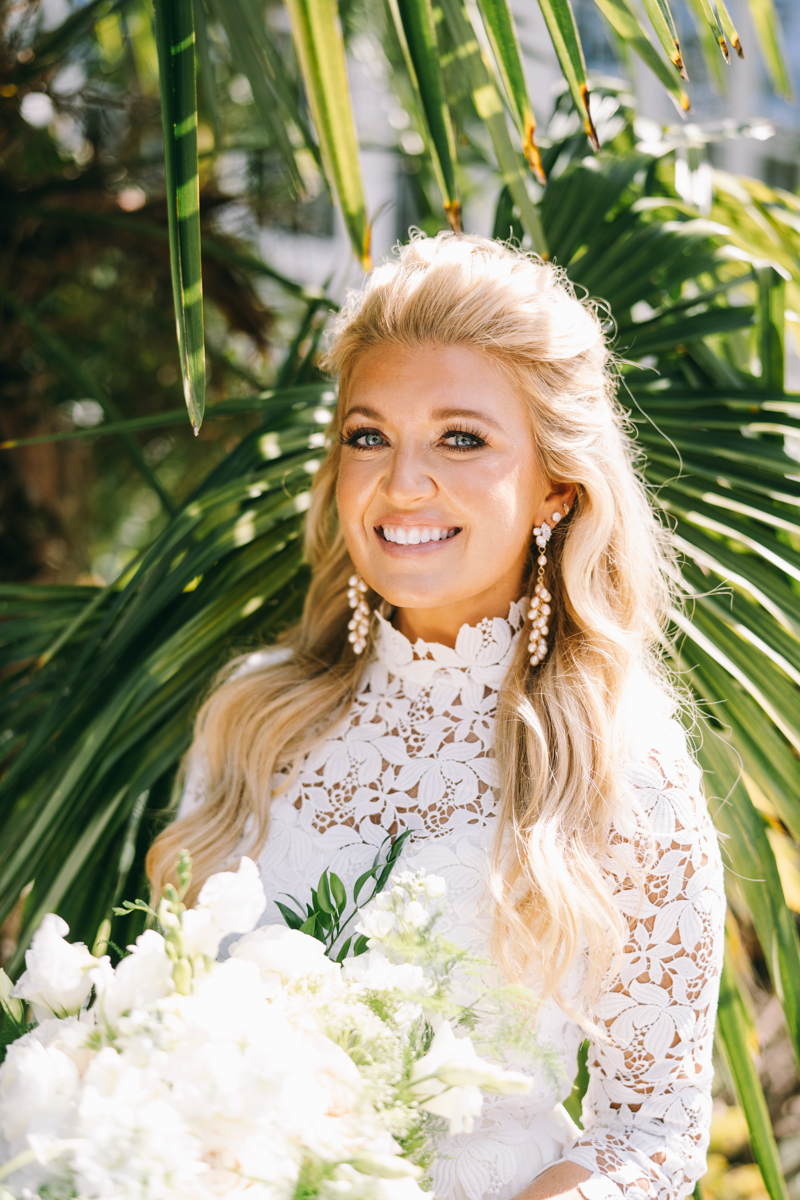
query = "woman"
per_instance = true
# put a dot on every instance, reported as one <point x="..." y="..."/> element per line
<point x="478" y="459"/>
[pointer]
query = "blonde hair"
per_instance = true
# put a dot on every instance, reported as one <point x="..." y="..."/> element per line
<point x="560" y="736"/>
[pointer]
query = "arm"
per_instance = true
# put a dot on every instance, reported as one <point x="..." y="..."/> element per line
<point x="648" y="1106"/>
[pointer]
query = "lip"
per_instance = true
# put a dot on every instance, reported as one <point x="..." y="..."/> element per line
<point x="396" y="551"/>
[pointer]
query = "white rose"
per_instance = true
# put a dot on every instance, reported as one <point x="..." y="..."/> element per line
<point x="375" y="923"/>
<point x="141" y="978"/>
<point x="235" y="901"/>
<point x="57" y="980"/>
<point x="283" y="955"/>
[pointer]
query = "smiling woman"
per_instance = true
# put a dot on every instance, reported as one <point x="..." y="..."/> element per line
<point x="440" y="485"/>
<point x="498" y="693"/>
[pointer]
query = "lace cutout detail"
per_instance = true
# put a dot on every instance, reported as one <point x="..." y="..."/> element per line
<point x="648" y="1107"/>
<point x="415" y="751"/>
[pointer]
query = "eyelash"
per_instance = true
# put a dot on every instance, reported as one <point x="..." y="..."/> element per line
<point x="351" y="438"/>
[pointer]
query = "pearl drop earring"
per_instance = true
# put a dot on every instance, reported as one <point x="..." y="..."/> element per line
<point x="358" y="624"/>
<point x="540" y="604"/>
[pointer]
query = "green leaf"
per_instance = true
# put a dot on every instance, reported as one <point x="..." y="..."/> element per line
<point x="770" y="37"/>
<point x="360" y="945"/>
<point x="489" y="107"/>
<point x="338" y="892"/>
<point x="712" y="21"/>
<point x="737" y="1036"/>
<point x="320" y="49"/>
<point x="728" y="28"/>
<point x="416" y="32"/>
<point x="323" y="896"/>
<point x="251" y="50"/>
<point x="175" y="39"/>
<point x="500" y="27"/>
<point x="664" y="24"/>
<point x="293" y="920"/>
<point x="566" y="41"/>
<point x="622" y="18"/>
<point x="342" y="955"/>
<point x="752" y="860"/>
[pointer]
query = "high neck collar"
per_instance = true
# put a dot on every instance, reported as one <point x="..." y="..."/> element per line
<point x="483" y="651"/>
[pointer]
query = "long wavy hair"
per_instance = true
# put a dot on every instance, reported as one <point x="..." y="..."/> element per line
<point x="560" y="737"/>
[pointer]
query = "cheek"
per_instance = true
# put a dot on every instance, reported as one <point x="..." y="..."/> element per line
<point x="353" y="492"/>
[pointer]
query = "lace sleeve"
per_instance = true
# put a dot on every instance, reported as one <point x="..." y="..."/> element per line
<point x="648" y="1106"/>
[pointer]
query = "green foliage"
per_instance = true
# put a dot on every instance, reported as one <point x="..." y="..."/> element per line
<point x="326" y="917"/>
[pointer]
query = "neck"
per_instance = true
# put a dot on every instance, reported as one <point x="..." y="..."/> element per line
<point x="442" y="624"/>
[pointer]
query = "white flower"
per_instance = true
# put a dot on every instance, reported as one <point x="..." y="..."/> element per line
<point x="283" y="955"/>
<point x="38" y="1087"/>
<point x="413" y="916"/>
<point x="446" y="1080"/>
<point x="141" y="978"/>
<point x="377" y="973"/>
<point x="57" y="980"/>
<point x="435" y="887"/>
<point x="235" y="901"/>
<point x="201" y="934"/>
<point x="375" y="924"/>
<point x="134" y="1142"/>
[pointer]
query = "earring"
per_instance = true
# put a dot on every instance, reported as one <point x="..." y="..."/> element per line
<point x="540" y="604"/>
<point x="359" y="622"/>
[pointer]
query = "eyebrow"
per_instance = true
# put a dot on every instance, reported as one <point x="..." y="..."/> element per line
<point x="440" y="414"/>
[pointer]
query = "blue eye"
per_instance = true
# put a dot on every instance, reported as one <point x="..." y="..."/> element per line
<point x="363" y="439"/>
<point x="459" y="439"/>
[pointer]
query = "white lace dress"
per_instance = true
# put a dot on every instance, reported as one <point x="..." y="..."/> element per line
<point x="415" y="752"/>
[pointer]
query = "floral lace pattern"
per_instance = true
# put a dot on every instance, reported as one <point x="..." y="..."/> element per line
<point x="415" y="751"/>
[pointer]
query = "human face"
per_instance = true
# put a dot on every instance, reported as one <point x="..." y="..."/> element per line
<point x="440" y="486"/>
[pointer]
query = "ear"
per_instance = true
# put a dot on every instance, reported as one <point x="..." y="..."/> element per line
<point x="559" y="500"/>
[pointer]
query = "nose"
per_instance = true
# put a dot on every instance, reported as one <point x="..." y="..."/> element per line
<point x="408" y="480"/>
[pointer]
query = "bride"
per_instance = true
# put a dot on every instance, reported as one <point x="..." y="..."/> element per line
<point x="478" y="662"/>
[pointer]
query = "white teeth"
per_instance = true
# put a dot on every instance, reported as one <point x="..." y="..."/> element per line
<point x="415" y="535"/>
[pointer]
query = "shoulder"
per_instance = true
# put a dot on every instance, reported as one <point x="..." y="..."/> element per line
<point x="195" y="771"/>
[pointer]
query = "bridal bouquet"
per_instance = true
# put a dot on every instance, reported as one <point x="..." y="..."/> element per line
<point x="279" y="1073"/>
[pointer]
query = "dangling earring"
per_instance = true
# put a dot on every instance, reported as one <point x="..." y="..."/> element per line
<point x="359" y="622"/>
<point x="540" y="604"/>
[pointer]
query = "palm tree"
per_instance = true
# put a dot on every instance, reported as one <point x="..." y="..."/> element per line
<point x="100" y="684"/>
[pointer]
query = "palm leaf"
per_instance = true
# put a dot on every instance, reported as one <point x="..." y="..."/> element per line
<point x="564" y="35"/>
<point x="416" y="32"/>
<point x="485" y="95"/>
<point x="769" y="34"/>
<point x="737" y="1037"/>
<point x="625" y="23"/>
<point x="320" y="49"/>
<point x="499" y="23"/>
<point x="175" y="39"/>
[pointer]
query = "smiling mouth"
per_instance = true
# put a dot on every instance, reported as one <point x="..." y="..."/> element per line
<point x="417" y="535"/>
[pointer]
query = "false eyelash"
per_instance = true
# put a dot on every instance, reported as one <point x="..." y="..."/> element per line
<point x="350" y="439"/>
<point x="479" y="437"/>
